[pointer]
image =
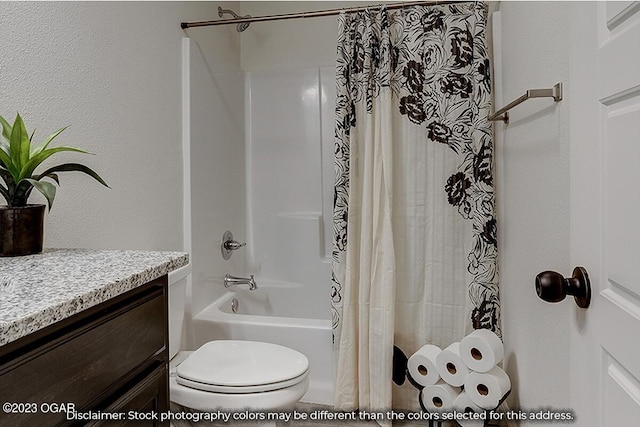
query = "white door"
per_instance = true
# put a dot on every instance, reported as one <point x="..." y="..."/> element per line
<point x="604" y="96"/>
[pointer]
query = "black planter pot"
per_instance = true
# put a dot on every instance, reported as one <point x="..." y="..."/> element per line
<point x="21" y="230"/>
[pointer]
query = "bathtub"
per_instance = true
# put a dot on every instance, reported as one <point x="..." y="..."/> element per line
<point x="272" y="313"/>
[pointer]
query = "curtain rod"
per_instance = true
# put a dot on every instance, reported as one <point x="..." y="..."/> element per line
<point x="313" y="14"/>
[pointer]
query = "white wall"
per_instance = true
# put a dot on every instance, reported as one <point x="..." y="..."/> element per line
<point x="278" y="44"/>
<point x="532" y="163"/>
<point x="296" y="43"/>
<point x="113" y="72"/>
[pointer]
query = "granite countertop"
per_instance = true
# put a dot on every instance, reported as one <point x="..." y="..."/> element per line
<point x="39" y="290"/>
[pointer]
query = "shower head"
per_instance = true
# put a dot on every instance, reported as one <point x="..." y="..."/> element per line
<point x="241" y="26"/>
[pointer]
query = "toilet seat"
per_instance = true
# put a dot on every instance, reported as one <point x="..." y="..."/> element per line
<point x="239" y="367"/>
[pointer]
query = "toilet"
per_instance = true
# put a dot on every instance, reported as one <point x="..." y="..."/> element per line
<point x="231" y="375"/>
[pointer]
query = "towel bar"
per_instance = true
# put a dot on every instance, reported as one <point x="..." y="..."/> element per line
<point x="555" y="92"/>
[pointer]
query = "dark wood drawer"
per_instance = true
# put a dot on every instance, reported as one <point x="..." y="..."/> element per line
<point x="85" y="361"/>
<point x="146" y="395"/>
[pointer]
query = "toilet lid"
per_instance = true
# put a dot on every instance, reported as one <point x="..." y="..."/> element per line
<point x="222" y="365"/>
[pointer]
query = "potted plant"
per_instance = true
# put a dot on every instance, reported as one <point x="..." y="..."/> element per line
<point x="21" y="224"/>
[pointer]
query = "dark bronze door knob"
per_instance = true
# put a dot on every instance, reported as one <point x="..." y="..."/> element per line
<point x="553" y="287"/>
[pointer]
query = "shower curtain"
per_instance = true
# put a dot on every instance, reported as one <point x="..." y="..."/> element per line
<point x="414" y="256"/>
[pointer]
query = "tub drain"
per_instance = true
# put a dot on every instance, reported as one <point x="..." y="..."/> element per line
<point x="234" y="305"/>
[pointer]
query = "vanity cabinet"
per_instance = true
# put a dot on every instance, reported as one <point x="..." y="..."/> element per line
<point x="112" y="357"/>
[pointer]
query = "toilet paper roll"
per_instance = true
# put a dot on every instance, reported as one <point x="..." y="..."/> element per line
<point x="487" y="389"/>
<point x="422" y="365"/>
<point x="481" y="350"/>
<point x="464" y="404"/>
<point x="438" y="397"/>
<point x="451" y="367"/>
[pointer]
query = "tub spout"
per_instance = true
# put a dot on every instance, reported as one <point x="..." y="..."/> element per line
<point x="230" y="280"/>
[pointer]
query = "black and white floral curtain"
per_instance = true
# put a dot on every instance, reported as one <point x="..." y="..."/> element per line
<point x="414" y="257"/>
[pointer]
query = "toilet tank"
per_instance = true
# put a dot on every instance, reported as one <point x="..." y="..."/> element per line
<point x="177" y="298"/>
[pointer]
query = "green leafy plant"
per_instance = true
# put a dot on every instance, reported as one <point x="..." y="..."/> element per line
<point x="19" y="159"/>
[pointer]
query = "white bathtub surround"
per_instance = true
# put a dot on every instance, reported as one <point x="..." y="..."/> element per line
<point x="214" y="162"/>
<point x="415" y="248"/>
<point x="275" y="313"/>
<point x="289" y="194"/>
<point x="290" y="176"/>
<point x="288" y="119"/>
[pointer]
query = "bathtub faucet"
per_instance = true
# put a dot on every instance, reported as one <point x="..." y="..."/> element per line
<point x="230" y="280"/>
